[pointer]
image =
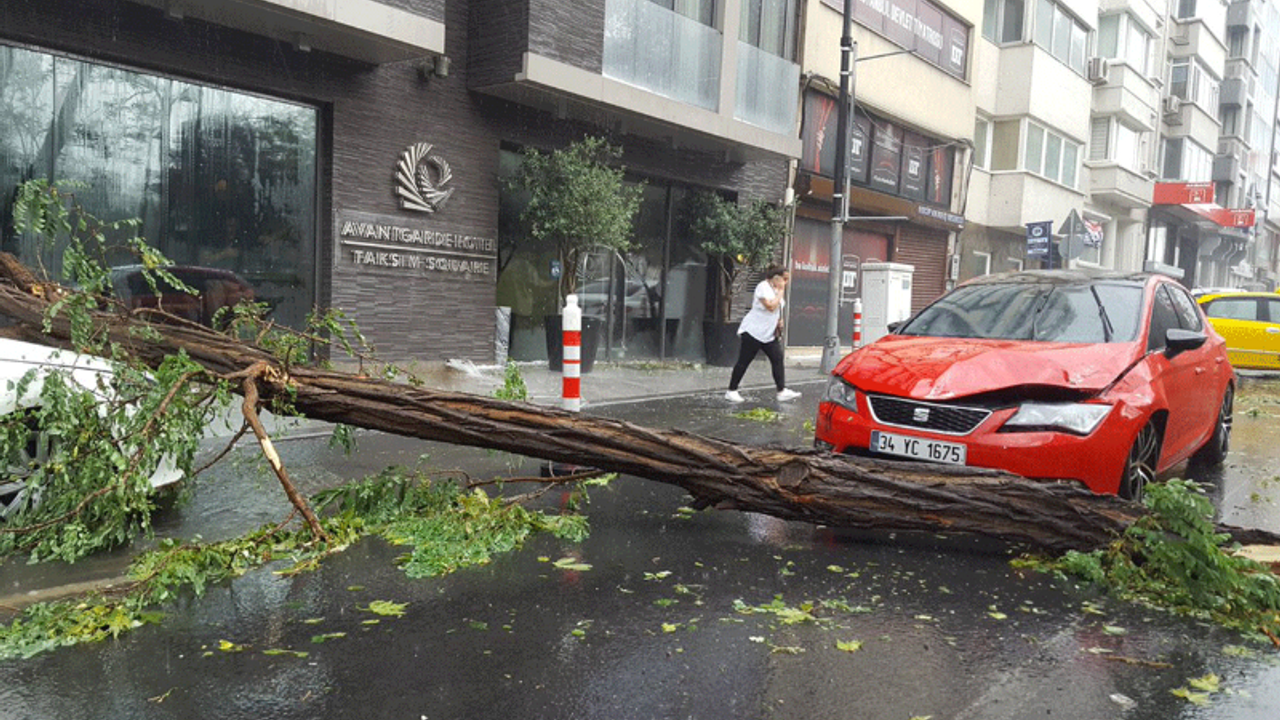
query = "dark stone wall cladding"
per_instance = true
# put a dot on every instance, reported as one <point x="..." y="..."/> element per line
<point x="368" y="117"/>
<point x="497" y="38"/>
<point x="570" y="32"/>
<point x="433" y="9"/>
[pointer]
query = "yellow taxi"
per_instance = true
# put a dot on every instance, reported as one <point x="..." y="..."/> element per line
<point x="1250" y="323"/>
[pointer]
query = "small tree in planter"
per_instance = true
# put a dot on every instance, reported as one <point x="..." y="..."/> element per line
<point x="736" y="238"/>
<point x="576" y="200"/>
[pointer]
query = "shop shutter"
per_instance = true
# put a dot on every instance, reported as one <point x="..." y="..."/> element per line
<point x="926" y="251"/>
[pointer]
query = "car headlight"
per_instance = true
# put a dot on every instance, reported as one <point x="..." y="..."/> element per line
<point x="1078" y="418"/>
<point x="841" y="393"/>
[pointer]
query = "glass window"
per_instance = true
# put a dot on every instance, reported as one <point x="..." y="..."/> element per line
<point x="1070" y="160"/>
<point x="1232" y="308"/>
<point x="1097" y="312"/>
<point x="1011" y="28"/>
<point x="991" y="19"/>
<point x="224" y="183"/>
<point x="768" y="24"/>
<point x="1004" y="145"/>
<point x="1188" y="313"/>
<point x="1163" y="319"/>
<point x="981" y="127"/>
<point x="1035" y="149"/>
<point x="979" y="263"/>
<point x="1052" y="156"/>
<point x="1270" y="311"/>
<point x="701" y="10"/>
<point x="1044" y="23"/>
<point x="1060" y="34"/>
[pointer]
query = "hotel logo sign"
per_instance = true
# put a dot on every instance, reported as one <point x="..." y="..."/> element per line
<point x="421" y="178"/>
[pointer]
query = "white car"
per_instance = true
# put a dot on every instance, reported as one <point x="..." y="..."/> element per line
<point x="17" y="358"/>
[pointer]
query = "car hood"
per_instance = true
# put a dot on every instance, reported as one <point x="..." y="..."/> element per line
<point x="930" y="368"/>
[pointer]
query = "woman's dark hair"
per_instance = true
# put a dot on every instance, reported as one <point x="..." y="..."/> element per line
<point x="774" y="271"/>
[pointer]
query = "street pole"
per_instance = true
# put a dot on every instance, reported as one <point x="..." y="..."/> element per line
<point x="839" y="191"/>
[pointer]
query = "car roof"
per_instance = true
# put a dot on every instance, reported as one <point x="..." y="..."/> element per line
<point x="1237" y="294"/>
<point x="1073" y="276"/>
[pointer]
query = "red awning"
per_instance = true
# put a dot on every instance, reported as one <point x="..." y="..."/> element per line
<point x="1197" y="198"/>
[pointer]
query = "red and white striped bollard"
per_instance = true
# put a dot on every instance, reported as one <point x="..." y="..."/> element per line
<point x="571" y="324"/>
<point x="857" y="323"/>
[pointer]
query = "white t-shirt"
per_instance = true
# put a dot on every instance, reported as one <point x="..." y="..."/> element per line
<point x="760" y="323"/>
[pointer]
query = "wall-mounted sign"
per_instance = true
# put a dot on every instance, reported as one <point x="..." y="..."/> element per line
<point x="930" y="32"/>
<point x="368" y="241"/>
<point x="1039" y="235"/>
<point x="421" y="178"/>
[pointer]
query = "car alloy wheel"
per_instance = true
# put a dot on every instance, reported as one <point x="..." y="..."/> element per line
<point x="1140" y="469"/>
<point x="15" y="495"/>
<point x="1215" y="450"/>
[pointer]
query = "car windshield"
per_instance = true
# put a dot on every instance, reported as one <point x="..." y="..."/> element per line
<point x="1079" y="313"/>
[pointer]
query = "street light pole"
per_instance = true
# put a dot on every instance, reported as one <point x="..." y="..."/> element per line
<point x="839" y="191"/>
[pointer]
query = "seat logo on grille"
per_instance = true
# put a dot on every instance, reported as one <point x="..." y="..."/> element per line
<point x="920" y="415"/>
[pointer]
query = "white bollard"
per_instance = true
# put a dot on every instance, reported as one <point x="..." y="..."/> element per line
<point x="571" y="324"/>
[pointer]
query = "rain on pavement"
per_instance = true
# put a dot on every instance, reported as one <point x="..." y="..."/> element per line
<point x="680" y="614"/>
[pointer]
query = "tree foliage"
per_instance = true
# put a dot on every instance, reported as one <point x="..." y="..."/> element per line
<point x="736" y="237"/>
<point x="1175" y="558"/>
<point x="578" y="197"/>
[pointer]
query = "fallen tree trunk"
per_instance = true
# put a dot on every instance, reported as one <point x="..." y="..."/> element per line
<point x="798" y="484"/>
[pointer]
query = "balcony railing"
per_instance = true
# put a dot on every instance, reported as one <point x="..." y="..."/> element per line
<point x="662" y="51"/>
<point x="768" y="90"/>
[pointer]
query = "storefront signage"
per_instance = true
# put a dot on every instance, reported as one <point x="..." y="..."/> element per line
<point x="917" y="25"/>
<point x="421" y="179"/>
<point x="368" y="241"/>
<point x="1182" y="193"/>
<point x="882" y="154"/>
<point x="946" y="217"/>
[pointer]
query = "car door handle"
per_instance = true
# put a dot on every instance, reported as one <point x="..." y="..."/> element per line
<point x="1273" y="330"/>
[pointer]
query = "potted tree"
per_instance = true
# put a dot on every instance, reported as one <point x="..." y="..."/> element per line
<point x="737" y="239"/>
<point x="577" y="198"/>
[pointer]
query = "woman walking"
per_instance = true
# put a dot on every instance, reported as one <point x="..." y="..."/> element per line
<point x="759" y="331"/>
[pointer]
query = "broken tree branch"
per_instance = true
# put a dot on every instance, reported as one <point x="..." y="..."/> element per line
<point x="797" y="484"/>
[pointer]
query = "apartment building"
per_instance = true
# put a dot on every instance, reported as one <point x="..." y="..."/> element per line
<point x="1142" y="133"/>
<point x="910" y="135"/>
<point x="351" y="153"/>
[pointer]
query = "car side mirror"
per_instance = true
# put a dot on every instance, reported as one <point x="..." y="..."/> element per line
<point x="1177" y="340"/>
<point x="893" y="326"/>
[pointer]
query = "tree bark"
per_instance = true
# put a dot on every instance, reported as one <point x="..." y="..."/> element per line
<point x="792" y="484"/>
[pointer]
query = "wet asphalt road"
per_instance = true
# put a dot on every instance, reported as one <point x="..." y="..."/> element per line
<point x="656" y="628"/>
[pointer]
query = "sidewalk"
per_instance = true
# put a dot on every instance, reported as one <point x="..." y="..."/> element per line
<point x="609" y="383"/>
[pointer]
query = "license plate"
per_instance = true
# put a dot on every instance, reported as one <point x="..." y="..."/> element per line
<point x="918" y="448"/>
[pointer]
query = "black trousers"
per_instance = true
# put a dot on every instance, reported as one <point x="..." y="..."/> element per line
<point x="747" y="352"/>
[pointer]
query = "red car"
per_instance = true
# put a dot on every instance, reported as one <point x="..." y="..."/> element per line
<point x="1107" y="378"/>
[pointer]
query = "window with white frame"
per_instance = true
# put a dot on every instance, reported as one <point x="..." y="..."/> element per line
<point x="1002" y="20"/>
<point x="1122" y="37"/>
<point x="1049" y="154"/>
<point x="1192" y="81"/>
<point x="979" y="263"/>
<point x="1186" y="161"/>
<point x="1061" y="35"/>
<point x="981" y="143"/>
<point x="1044" y="152"/>
<point x="1111" y="140"/>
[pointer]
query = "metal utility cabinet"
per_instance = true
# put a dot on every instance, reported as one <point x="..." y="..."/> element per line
<point x="886" y="297"/>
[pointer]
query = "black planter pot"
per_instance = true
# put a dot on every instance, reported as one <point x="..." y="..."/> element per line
<point x="555" y="342"/>
<point x="720" y="342"/>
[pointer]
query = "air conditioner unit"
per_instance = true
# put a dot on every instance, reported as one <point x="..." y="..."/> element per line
<point x="1172" y="107"/>
<point x="1099" y="72"/>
